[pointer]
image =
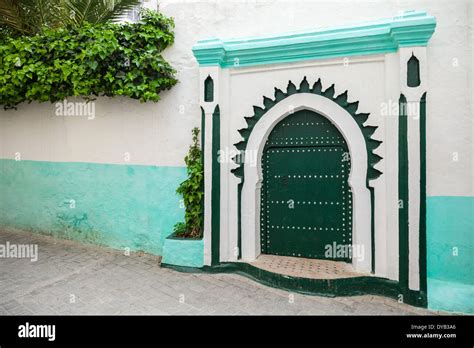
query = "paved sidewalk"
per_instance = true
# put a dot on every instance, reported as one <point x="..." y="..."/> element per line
<point x="72" y="278"/>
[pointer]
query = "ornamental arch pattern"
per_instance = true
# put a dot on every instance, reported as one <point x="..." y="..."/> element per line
<point x="304" y="87"/>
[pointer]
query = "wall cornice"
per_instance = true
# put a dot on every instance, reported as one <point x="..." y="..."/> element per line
<point x="413" y="28"/>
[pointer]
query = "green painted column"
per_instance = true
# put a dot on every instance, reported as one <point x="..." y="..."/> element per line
<point x="403" y="193"/>
<point x="422" y="242"/>
<point x="216" y="185"/>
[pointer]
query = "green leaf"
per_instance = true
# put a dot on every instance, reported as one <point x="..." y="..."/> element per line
<point x="93" y="65"/>
<point x="86" y="59"/>
<point x="192" y="189"/>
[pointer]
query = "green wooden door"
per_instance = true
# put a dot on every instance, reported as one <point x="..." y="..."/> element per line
<point x="306" y="203"/>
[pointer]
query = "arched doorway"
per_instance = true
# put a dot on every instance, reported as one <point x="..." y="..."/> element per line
<point x="306" y="201"/>
<point x="347" y="124"/>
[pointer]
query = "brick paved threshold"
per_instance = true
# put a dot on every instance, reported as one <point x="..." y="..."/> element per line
<point x="70" y="278"/>
<point x="305" y="268"/>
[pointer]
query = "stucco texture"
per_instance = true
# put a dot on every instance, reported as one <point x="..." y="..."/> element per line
<point x="450" y="243"/>
<point x="120" y="206"/>
<point x="158" y="134"/>
<point x="183" y="252"/>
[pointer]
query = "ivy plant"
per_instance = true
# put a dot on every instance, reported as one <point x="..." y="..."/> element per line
<point x="91" y="60"/>
<point x="192" y="191"/>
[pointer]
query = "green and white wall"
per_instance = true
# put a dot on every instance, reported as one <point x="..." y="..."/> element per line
<point x="111" y="180"/>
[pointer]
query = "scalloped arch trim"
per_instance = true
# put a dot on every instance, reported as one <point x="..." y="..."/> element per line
<point x="304" y="87"/>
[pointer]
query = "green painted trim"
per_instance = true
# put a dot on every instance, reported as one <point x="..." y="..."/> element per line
<point x="183" y="252"/>
<point x="203" y="134"/>
<point x="203" y="155"/>
<point x="304" y="87"/>
<point x="403" y="193"/>
<point x="216" y="188"/>
<point x="422" y="242"/>
<point x="413" y="72"/>
<point x="413" y="28"/>
<point x="316" y="88"/>
<point x="372" y="227"/>
<point x="209" y="89"/>
<point x="322" y="287"/>
<point x="115" y="205"/>
<point x="239" y="220"/>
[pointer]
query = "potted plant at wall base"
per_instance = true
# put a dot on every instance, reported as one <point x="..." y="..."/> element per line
<point x="185" y="247"/>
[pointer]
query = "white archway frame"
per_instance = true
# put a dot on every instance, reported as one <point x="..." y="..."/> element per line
<point x="361" y="216"/>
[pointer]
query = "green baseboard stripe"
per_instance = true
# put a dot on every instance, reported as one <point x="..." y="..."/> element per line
<point x="321" y="287"/>
<point x="120" y="206"/>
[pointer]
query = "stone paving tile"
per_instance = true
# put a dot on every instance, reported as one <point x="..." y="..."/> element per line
<point x="306" y="268"/>
<point x="71" y="278"/>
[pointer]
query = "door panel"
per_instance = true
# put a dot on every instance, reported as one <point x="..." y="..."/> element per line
<point x="306" y="200"/>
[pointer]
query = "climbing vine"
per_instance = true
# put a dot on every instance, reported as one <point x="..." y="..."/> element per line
<point x="91" y="60"/>
<point x="192" y="191"/>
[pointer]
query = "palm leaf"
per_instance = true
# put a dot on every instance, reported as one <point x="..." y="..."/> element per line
<point x="28" y="17"/>
<point x="10" y="15"/>
<point x="99" y="11"/>
<point x="117" y="9"/>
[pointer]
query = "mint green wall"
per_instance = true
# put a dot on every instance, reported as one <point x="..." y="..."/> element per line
<point x="136" y="206"/>
<point x="450" y="224"/>
<point x="183" y="252"/>
<point x="116" y="205"/>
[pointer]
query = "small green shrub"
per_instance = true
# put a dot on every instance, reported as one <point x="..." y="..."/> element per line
<point x="192" y="191"/>
<point x="91" y="60"/>
<point x="180" y="229"/>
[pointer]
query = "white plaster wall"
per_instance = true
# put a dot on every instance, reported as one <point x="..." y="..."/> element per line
<point x="147" y="134"/>
<point x="150" y="4"/>
<point x="450" y="104"/>
<point x="159" y="134"/>
<point x="450" y="108"/>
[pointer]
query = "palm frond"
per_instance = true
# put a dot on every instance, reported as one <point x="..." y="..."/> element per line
<point x="99" y="11"/>
<point x="10" y="15"/>
<point x="116" y="9"/>
<point x="30" y="16"/>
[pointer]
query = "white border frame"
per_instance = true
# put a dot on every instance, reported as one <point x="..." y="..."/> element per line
<point x="348" y="127"/>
